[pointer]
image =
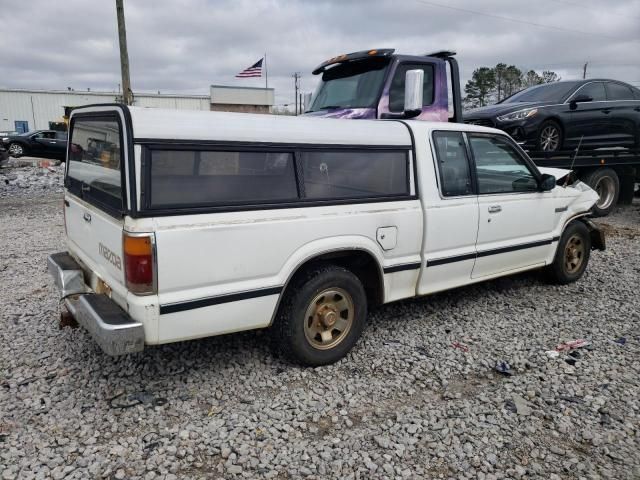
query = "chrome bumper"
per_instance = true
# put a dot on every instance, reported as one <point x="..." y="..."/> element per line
<point x="110" y="326"/>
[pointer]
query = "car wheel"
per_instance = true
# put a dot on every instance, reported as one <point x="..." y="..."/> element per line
<point x="606" y="183"/>
<point x="550" y="137"/>
<point x="572" y="254"/>
<point x="323" y="313"/>
<point x="16" y="150"/>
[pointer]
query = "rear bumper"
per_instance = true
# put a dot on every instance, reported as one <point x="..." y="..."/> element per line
<point x="110" y="326"/>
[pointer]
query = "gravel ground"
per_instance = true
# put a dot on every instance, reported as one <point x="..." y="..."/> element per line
<point x="417" y="398"/>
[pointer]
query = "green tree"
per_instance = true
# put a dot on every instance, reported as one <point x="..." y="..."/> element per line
<point x="499" y="72"/>
<point x="548" y="77"/>
<point x="490" y="85"/>
<point x="478" y="90"/>
<point x="531" y="78"/>
<point x="512" y="81"/>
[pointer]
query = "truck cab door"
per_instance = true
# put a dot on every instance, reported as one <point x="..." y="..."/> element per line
<point x="450" y="207"/>
<point x="434" y="93"/>
<point x="516" y="218"/>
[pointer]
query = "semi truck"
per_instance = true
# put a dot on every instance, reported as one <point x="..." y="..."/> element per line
<point x="372" y="84"/>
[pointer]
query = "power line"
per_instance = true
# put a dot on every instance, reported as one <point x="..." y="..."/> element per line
<point x="581" y="6"/>
<point x="525" y="22"/>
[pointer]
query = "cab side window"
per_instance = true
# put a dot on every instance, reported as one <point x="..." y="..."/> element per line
<point x="499" y="166"/>
<point x="453" y="164"/>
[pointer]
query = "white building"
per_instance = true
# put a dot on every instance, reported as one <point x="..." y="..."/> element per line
<point x="24" y="110"/>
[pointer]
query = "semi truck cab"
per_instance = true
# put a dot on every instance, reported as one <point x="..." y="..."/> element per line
<point x="371" y="85"/>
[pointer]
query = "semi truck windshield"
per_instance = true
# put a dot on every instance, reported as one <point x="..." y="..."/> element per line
<point x="350" y="85"/>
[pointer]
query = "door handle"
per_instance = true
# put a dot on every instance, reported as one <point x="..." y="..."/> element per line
<point x="87" y="217"/>
<point x="495" y="209"/>
<point x="606" y="110"/>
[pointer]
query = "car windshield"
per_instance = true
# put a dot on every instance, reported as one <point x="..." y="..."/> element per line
<point x="350" y="85"/>
<point x="549" y="92"/>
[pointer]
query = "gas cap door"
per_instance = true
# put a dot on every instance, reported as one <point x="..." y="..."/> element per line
<point x="387" y="237"/>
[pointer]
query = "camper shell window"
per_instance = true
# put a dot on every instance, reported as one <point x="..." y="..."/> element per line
<point x="95" y="152"/>
<point x="195" y="177"/>
<point x="179" y="177"/>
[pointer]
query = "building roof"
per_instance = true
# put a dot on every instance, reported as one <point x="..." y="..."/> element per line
<point x="102" y="93"/>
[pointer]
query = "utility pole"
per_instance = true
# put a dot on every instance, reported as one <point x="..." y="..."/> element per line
<point x="584" y="70"/>
<point x="296" y="84"/>
<point x="127" y="94"/>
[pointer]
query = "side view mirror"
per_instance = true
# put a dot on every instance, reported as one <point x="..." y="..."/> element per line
<point x="579" y="99"/>
<point x="583" y="98"/>
<point x="547" y="182"/>
<point x="306" y="101"/>
<point x="413" y="93"/>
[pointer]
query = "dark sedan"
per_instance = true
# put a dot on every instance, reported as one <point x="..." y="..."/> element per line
<point x="4" y="154"/>
<point x="556" y="116"/>
<point x="38" y="143"/>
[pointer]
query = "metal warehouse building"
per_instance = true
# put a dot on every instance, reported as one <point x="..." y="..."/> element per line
<point x="24" y="110"/>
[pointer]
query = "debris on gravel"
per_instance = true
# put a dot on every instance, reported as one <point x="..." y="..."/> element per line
<point x="404" y="404"/>
<point x="23" y="179"/>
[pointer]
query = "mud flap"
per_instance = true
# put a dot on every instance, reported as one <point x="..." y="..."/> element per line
<point x="597" y="235"/>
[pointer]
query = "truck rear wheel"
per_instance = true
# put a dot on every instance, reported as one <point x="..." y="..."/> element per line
<point x="321" y="317"/>
<point x="606" y="183"/>
<point x="572" y="254"/>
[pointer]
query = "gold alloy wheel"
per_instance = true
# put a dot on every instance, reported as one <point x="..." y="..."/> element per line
<point x="329" y="318"/>
<point x="574" y="254"/>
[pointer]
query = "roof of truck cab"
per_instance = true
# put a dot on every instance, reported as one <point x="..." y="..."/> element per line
<point x="161" y="124"/>
<point x="418" y="125"/>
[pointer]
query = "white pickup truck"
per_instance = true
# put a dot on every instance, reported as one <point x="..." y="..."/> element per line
<point x="183" y="225"/>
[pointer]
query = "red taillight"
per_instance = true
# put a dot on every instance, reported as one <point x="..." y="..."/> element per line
<point x="139" y="263"/>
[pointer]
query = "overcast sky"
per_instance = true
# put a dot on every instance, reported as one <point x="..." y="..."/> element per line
<point x="185" y="46"/>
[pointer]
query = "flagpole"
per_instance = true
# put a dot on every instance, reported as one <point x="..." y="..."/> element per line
<point x="266" y="74"/>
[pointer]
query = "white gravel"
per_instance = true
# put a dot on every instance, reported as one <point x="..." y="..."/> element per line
<point x="405" y="404"/>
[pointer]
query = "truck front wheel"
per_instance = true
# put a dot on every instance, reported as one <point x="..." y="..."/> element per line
<point x="322" y="315"/>
<point x="606" y="183"/>
<point x="572" y="255"/>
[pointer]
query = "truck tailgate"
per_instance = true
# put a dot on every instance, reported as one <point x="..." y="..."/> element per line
<point x="96" y="239"/>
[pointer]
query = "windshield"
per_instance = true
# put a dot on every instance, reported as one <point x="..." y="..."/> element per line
<point x="549" y="92"/>
<point x="350" y="85"/>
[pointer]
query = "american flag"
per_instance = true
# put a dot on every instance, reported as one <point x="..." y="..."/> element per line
<point x="254" y="70"/>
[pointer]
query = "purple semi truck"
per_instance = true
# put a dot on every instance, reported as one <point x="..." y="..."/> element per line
<point x="371" y="84"/>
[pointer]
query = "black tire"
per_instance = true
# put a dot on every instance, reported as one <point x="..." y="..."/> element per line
<point x="17" y="149"/>
<point x="550" y="136"/>
<point x="292" y="328"/>
<point x="605" y="181"/>
<point x="566" y="267"/>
